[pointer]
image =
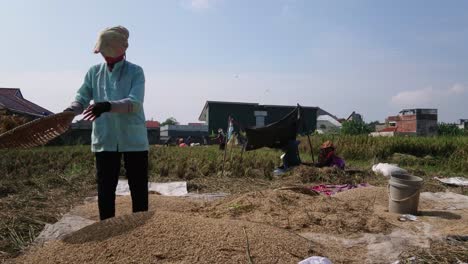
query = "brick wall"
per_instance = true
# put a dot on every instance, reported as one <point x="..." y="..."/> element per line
<point x="407" y="123"/>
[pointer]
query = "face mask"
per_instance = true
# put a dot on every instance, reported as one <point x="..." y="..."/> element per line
<point x="112" y="61"/>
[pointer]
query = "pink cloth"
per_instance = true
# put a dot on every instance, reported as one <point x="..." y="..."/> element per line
<point x="330" y="189"/>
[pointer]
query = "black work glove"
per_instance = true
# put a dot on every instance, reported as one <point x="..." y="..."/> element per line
<point x="95" y="110"/>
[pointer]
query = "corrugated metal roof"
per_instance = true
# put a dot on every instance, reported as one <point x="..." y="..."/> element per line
<point x="203" y="114"/>
<point x="12" y="99"/>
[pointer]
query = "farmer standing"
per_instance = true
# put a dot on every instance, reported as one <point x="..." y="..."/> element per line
<point x="117" y="88"/>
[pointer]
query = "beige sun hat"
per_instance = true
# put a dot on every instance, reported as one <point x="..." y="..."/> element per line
<point x="327" y="144"/>
<point x="112" y="41"/>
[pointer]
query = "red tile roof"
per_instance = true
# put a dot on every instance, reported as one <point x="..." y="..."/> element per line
<point x="389" y="129"/>
<point x="12" y="99"/>
<point x="152" y="124"/>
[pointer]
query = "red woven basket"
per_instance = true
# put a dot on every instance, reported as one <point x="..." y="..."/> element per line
<point x="37" y="132"/>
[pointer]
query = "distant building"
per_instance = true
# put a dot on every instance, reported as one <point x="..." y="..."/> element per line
<point x="154" y="132"/>
<point x="413" y="122"/>
<point x="80" y="133"/>
<point x="12" y="102"/>
<point x="196" y="124"/>
<point x="380" y="126"/>
<point x="354" y="117"/>
<point x="216" y="114"/>
<point x="196" y="132"/>
<point x="385" y="132"/>
<point x="463" y="124"/>
<point x="150" y="124"/>
<point x="327" y="124"/>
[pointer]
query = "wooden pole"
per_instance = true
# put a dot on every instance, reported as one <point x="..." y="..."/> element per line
<point x="230" y="151"/>
<point x="311" y="149"/>
<point x="243" y="149"/>
<point x="304" y="129"/>
<point x="225" y="147"/>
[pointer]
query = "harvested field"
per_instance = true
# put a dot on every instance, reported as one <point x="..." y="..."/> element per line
<point x="167" y="237"/>
<point x="9" y="122"/>
<point x="42" y="184"/>
<point x="349" y="227"/>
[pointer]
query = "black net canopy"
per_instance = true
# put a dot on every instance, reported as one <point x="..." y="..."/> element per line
<point x="275" y="135"/>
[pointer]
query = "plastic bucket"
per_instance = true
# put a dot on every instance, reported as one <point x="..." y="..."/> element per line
<point x="403" y="193"/>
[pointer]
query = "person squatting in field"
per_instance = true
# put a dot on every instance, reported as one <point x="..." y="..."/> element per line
<point x="328" y="158"/>
<point x="117" y="88"/>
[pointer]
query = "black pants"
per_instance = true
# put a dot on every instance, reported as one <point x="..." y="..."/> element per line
<point x="107" y="174"/>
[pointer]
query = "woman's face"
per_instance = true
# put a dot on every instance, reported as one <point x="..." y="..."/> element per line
<point x="112" y="60"/>
<point x="326" y="150"/>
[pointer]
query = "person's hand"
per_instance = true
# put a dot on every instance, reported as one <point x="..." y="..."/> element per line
<point x="95" y="110"/>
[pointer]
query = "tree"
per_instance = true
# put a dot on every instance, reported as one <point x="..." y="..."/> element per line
<point x="353" y="127"/>
<point x="372" y="125"/>
<point x="170" y="121"/>
<point x="445" y="129"/>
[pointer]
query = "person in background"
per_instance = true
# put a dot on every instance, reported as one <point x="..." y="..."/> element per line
<point x="233" y="141"/>
<point x="168" y="141"/>
<point x="290" y="158"/>
<point x="221" y="139"/>
<point x="117" y="89"/>
<point x="188" y="140"/>
<point x="181" y="143"/>
<point x="328" y="158"/>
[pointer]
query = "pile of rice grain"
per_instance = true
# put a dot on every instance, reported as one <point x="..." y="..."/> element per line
<point x="291" y="210"/>
<point x="169" y="237"/>
<point x="157" y="203"/>
<point x="377" y="194"/>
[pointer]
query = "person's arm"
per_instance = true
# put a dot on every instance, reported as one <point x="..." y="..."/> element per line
<point x="324" y="159"/>
<point x="131" y="104"/>
<point x="134" y="102"/>
<point x="329" y="159"/>
<point x="83" y="96"/>
<point x="75" y="107"/>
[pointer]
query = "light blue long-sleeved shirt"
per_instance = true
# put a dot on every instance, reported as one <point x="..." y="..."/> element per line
<point x="114" y="131"/>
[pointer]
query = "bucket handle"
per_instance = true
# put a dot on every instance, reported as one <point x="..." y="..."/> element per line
<point x="402" y="200"/>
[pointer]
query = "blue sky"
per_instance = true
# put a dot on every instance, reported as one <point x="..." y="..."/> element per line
<point x="373" y="57"/>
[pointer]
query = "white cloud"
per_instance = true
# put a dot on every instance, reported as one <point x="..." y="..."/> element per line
<point x="414" y="98"/>
<point x="427" y="97"/>
<point x="458" y="89"/>
<point x="288" y="8"/>
<point x="200" y="4"/>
